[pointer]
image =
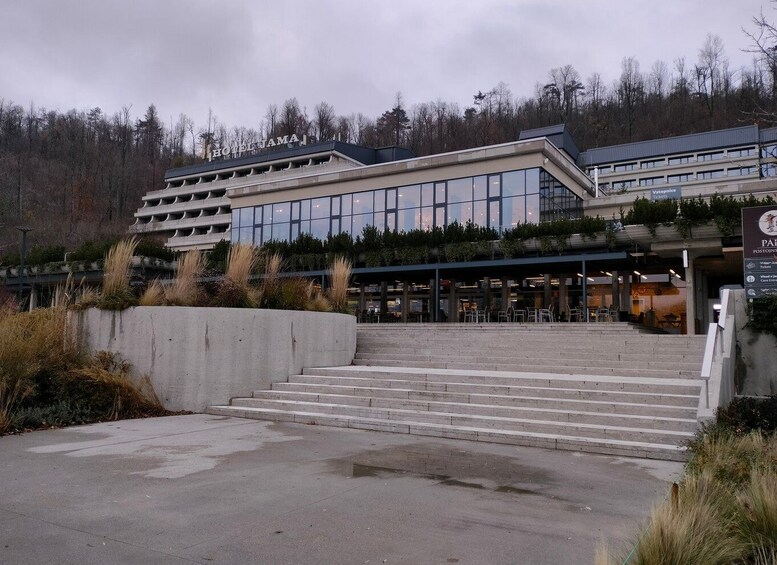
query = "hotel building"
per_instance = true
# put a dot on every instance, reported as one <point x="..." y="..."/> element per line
<point x="333" y="187"/>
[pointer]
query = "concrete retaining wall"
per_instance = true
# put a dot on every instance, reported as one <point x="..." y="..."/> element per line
<point x="756" y="372"/>
<point x="197" y="357"/>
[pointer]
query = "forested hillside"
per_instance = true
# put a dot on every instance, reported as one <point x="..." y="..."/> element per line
<point x="79" y="175"/>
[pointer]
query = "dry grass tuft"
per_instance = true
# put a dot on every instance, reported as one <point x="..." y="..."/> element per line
<point x="87" y="298"/>
<point x="758" y="513"/>
<point x="339" y="278"/>
<point x="234" y="290"/>
<point x="118" y="265"/>
<point x="64" y="294"/>
<point x="30" y="343"/>
<point x="694" y="533"/>
<point x="185" y="290"/>
<point x="44" y="379"/>
<point x="105" y="384"/>
<point x="154" y="295"/>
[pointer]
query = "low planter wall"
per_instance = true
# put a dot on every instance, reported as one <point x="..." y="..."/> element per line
<point x="198" y="357"/>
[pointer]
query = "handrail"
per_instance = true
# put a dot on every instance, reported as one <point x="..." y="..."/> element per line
<point x="709" y="356"/>
<point x="717" y="364"/>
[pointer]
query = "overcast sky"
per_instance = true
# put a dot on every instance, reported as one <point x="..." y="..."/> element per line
<point x="239" y="56"/>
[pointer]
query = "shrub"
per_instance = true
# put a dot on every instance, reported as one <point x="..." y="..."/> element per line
<point x="763" y="315"/>
<point x="746" y="414"/>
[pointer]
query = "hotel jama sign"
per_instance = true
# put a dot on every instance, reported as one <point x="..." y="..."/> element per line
<point x="759" y="241"/>
<point x="240" y="149"/>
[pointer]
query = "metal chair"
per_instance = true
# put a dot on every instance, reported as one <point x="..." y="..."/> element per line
<point x="519" y="315"/>
<point x="574" y="314"/>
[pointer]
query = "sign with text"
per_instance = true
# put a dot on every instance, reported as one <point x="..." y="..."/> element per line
<point x="669" y="193"/>
<point x="759" y="242"/>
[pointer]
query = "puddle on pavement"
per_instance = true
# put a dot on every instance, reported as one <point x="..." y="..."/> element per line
<point x="450" y="467"/>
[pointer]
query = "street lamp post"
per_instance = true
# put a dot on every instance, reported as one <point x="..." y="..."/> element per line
<point x="24" y="230"/>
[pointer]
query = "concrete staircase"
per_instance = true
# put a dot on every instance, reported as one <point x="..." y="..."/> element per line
<point x="603" y="388"/>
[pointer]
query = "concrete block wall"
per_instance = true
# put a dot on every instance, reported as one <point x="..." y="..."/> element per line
<point x="198" y="357"/>
<point x="756" y="370"/>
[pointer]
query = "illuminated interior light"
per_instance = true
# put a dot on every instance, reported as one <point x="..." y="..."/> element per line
<point x="637" y="273"/>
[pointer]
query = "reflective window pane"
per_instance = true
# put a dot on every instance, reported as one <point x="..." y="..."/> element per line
<point x="246" y="217"/>
<point x="514" y="183"/>
<point x="319" y="208"/>
<point x="391" y="221"/>
<point x="439" y="193"/>
<point x="362" y="203"/>
<point x="459" y="212"/>
<point x="513" y="212"/>
<point x="235" y="235"/>
<point x="493" y="216"/>
<point x="295" y="210"/>
<point x="280" y="232"/>
<point x="346" y="207"/>
<point x="408" y="219"/>
<point x="360" y="222"/>
<point x="479" y="187"/>
<point x="479" y="215"/>
<point x="427" y="218"/>
<point x="247" y="235"/>
<point x="258" y="216"/>
<point x="391" y="198"/>
<point x="427" y="194"/>
<point x="380" y="200"/>
<point x="345" y="224"/>
<point x="281" y="212"/>
<point x="294" y="231"/>
<point x="460" y="190"/>
<point x="305" y="210"/>
<point x="409" y="197"/>
<point x="257" y="236"/>
<point x="380" y="220"/>
<point x="235" y="218"/>
<point x="304" y="226"/>
<point x="319" y="228"/>
<point x="494" y="186"/>
<point x="532" y="181"/>
<point x="335" y="229"/>
<point x="335" y="205"/>
<point x="533" y="209"/>
<point x="439" y="217"/>
<point x="267" y="214"/>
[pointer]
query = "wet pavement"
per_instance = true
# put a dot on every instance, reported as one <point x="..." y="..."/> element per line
<point x="210" y="489"/>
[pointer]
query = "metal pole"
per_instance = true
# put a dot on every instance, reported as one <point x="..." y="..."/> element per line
<point x="24" y="230"/>
<point x="585" y="291"/>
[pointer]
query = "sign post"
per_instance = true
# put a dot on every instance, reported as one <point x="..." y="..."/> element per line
<point x="759" y="243"/>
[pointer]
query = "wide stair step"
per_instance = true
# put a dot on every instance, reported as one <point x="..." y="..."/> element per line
<point x="602" y="388"/>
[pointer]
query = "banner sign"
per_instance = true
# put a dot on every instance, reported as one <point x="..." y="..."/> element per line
<point x="759" y="242"/>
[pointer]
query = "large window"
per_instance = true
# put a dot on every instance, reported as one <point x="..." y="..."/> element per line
<point x="499" y="201"/>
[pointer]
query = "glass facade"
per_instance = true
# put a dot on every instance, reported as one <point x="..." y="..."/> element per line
<point x="499" y="201"/>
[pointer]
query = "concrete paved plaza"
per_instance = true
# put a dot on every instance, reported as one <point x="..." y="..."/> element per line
<point x="210" y="489"/>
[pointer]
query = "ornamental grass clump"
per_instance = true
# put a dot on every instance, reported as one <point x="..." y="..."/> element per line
<point x="185" y="289"/>
<point x="339" y="278"/>
<point x="116" y="293"/>
<point x="726" y="509"/>
<point x="32" y="346"/>
<point x="270" y="289"/>
<point x="46" y="380"/>
<point x="154" y="295"/>
<point x="234" y="290"/>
